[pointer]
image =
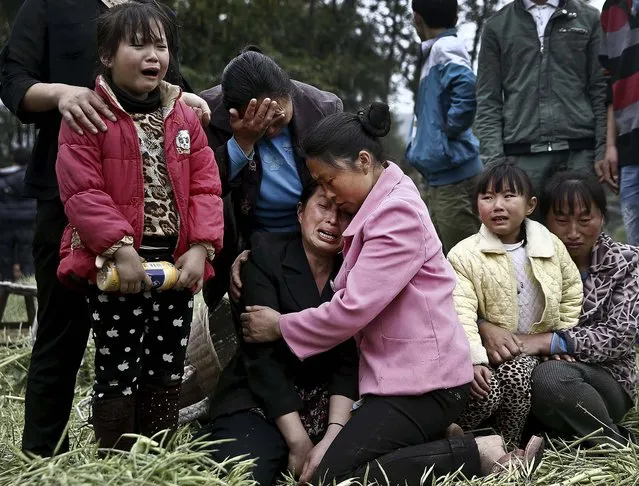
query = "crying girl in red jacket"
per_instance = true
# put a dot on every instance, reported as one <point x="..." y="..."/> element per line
<point x="146" y="188"/>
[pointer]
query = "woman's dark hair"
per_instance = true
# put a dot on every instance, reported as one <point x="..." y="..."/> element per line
<point x="253" y="75"/>
<point x="343" y="135"/>
<point x="124" y="22"/>
<point x="503" y="177"/>
<point x="437" y="14"/>
<point x="567" y="190"/>
<point x="309" y="189"/>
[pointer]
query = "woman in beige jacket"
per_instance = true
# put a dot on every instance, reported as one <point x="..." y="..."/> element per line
<point x="515" y="274"/>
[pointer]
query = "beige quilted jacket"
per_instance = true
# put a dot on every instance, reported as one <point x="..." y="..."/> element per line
<point x="487" y="289"/>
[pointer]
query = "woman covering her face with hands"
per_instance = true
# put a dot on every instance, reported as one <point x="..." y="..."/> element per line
<point x="259" y="115"/>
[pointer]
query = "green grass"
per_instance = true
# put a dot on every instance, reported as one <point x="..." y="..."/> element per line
<point x="182" y="463"/>
<point x="15" y="310"/>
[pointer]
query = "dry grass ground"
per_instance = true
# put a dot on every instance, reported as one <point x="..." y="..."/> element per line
<point x="183" y="464"/>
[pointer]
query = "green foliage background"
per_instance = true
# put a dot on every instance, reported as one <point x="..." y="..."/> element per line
<point x="362" y="50"/>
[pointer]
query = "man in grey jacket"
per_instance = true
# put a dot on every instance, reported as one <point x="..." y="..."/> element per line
<point x="541" y="91"/>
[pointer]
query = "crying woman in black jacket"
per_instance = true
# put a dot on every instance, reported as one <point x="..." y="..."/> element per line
<point x="284" y="412"/>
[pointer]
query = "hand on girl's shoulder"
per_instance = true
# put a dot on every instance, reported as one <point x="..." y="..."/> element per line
<point x="199" y="106"/>
<point x="191" y="136"/>
<point x="191" y="114"/>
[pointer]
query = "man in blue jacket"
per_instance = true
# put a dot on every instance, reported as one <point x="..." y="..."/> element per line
<point x="442" y="146"/>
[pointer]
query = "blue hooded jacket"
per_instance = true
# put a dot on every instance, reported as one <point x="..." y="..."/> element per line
<point x="442" y="146"/>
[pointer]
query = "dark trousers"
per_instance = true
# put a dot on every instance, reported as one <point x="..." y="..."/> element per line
<point x="400" y="433"/>
<point x="541" y="166"/>
<point x="260" y="439"/>
<point x="16" y="239"/>
<point x="62" y="334"/>
<point x="451" y="210"/>
<point x="576" y="399"/>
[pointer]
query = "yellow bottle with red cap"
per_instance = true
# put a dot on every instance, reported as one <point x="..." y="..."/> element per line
<point x="163" y="276"/>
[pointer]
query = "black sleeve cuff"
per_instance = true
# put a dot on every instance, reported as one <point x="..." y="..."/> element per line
<point x="284" y="405"/>
<point x="13" y="96"/>
<point x="345" y="388"/>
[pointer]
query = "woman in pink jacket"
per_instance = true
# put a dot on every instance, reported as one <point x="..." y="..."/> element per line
<point x="394" y="294"/>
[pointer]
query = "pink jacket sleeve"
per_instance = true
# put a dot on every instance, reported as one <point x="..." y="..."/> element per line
<point x="392" y="252"/>
<point x="90" y="210"/>
<point x="206" y="218"/>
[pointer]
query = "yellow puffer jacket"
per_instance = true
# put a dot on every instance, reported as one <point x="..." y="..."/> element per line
<point x="487" y="288"/>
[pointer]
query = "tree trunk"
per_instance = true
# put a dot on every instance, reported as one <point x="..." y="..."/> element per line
<point x="392" y="44"/>
<point x="474" y="50"/>
<point x="488" y="9"/>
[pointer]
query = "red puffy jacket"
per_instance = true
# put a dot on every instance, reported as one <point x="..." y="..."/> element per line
<point x="102" y="187"/>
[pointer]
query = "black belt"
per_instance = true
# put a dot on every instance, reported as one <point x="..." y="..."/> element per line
<point x="545" y="147"/>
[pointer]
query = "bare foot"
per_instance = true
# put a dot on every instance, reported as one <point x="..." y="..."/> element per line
<point x="454" y="430"/>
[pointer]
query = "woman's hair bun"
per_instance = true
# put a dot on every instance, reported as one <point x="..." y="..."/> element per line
<point x="252" y="48"/>
<point x="376" y="120"/>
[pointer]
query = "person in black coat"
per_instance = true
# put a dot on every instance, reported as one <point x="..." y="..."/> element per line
<point x="47" y="72"/>
<point x="282" y="411"/>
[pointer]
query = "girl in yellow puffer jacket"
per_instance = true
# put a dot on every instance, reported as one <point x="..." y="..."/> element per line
<point x="517" y="275"/>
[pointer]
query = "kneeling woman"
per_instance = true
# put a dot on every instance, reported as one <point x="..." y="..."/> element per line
<point x="276" y="407"/>
<point x="394" y="294"/>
